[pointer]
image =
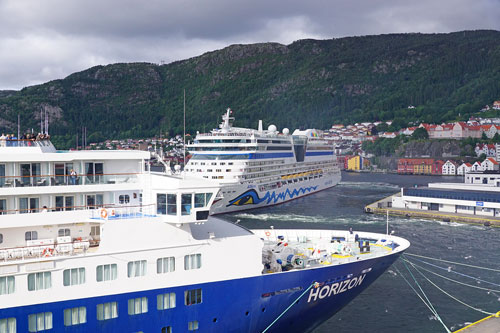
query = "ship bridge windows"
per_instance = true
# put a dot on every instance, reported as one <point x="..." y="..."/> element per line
<point x="186" y="203"/>
<point x="7" y="286"/>
<point x="166" y="204"/>
<point x="8" y="325"/>
<point x="171" y="204"/>
<point x="202" y="199"/>
<point x="38" y="322"/>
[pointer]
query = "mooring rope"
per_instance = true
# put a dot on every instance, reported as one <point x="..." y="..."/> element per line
<point x="288" y="308"/>
<point x="449" y="295"/>
<point x="430" y="307"/>
<point x="428" y="300"/>
<point x="455" y="272"/>
<point x="452" y="280"/>
<point x="453" y="262"/>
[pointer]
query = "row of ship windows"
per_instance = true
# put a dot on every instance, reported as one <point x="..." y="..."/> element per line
<point x="76" y="276"/>
<point x="42" y="321"/>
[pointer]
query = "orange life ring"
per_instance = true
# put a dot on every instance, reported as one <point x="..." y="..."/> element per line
<point x="104" y="213"/>
<point x="268" y="233"/>
<point x="47" y="252"/>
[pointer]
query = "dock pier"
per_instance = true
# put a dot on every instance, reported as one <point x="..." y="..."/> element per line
<point x="384" y="205"/>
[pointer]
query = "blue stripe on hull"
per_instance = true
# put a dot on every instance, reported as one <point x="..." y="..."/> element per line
<point x="228" y="306"/>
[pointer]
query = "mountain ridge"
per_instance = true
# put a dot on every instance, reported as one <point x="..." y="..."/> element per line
<point x="308" y="83"/>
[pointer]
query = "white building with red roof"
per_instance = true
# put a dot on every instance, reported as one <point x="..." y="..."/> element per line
<point x="490" y="164"/>
<point x="464" y="168"/>
<point x="449" y="168"/>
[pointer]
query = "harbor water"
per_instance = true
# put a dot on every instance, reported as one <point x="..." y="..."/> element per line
<point x="389" y="305"/>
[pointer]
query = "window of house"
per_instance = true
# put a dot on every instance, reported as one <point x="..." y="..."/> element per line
<point x="192" y="261"/>
<point x="165" y="301"/>
<point x="137" y="305"/>
<point x="7" y="286"/>
<point x="75" y="316"/>
<point x="38" y="322"/>
<point x="192" y="296"/>
<point x="8" y="325"/>
<point x="165" y="265"/>
<point x="39" y="281"/>
<point x="74" y="276"/>
<point x="136" y="268"/>
<point x="107" y="311"/>
<point x="106" y="272"/>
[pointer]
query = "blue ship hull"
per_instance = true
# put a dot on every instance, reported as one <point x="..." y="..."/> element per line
<point x="240" y="305"/>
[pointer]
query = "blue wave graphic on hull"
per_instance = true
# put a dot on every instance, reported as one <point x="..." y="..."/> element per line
<point x="251" y="197"/>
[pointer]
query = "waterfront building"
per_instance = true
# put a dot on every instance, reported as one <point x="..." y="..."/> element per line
<point x="478" y="195"/>
<point x="464" y="168"/>
<point x="477" y="166"/>
<point x="355" y="163"/>
<point x="449" y="168"/>
<point x="489" y="164"/>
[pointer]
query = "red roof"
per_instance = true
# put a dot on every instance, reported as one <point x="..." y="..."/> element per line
<point x="492" y="160"/>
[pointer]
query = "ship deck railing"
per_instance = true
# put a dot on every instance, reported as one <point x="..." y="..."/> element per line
<point x="15" y="143"/>
<point x="68" y="179"/>
<point x="47" y="248"/>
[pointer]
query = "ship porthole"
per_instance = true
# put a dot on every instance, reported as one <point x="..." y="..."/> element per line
<point x="214" y="320"/>
<point x="263" y="309"/>
<point x="247" y="313"/>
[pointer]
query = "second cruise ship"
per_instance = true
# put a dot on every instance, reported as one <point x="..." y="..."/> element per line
<point x="257" y="167"/>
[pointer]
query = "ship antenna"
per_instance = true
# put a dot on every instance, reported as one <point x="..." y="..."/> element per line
<point x="184" y="136"/>
<point x="387" y="223"/>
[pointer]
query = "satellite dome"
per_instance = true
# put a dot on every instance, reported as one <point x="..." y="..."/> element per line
<point x="177" y="167"/>
<point x="286" y="131"/>
<point x="272" y="128"/>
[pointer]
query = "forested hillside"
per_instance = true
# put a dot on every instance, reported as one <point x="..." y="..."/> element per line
<point x="309" y="83"/>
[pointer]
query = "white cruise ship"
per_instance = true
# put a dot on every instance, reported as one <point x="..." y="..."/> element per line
<point x="92" y="241"/>
<point x="257" y="167"/>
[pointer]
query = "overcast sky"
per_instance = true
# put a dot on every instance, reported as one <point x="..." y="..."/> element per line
<point x="42" y="40"/>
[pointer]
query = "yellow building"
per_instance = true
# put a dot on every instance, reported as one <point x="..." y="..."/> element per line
<point x="354" y="163"/>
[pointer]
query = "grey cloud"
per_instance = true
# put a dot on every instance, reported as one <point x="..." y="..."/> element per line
<point x="43" y="40"/>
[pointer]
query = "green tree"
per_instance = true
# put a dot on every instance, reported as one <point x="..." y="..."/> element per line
<point x="420" y="133"/>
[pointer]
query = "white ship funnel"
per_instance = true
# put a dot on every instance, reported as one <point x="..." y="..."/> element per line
<point x="260" y="126"/>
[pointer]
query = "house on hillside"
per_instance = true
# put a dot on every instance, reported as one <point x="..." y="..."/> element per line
<point x="464" y="168"/>
<point x="496" y="105"/>
<point x="477" y="167"/>
<point x="437" y="167"/>
<point x="489" y="164"/>
<point x="489" y="130"/>
<point x="449" y="168"/>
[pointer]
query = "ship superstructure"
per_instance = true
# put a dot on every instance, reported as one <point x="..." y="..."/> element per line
<point x="156" y="261"/>
<point x="257" y="167"/>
